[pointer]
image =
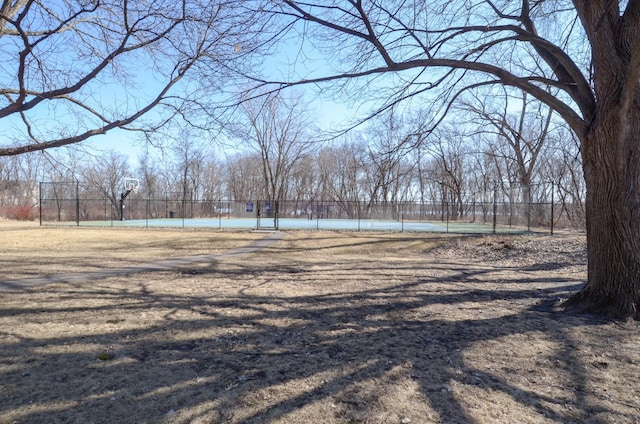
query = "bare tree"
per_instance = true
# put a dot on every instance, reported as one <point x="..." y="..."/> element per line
<point x="563" y="167"/>
<point x="278" y="129"/>
<point x="187" y="156"/>
<point x="341" y="174"/>
<point x="70" y="70"/>
<point x="304" y="187"/>
<point x="244" y="179"/>
<point x="588" y="73"/>
<point x="515" y="135"/>
<point x="387" y="165"/>
<point x="212" y="180"/>
<point x="482" y="176"/>
<point x="449" y="153"/>
<point x="106" y="174"/>
<point x="150" y="175"/>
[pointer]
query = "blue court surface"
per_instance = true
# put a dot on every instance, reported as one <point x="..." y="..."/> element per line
<point x="303" y="224"/>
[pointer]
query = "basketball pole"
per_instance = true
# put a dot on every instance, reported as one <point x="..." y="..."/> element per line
<point x="122" y="197"/>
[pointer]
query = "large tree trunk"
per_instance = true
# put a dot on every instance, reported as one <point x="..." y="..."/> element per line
<point x="611" y="155"/>
<point x="611" y="159"/>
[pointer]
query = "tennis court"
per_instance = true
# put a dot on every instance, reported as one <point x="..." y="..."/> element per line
<point x="69" y="204"/>
<point x="306" y="224"/>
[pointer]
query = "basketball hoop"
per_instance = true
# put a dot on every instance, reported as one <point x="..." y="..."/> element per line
<point x="131" y="184"/>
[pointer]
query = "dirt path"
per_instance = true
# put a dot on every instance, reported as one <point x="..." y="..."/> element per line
<point x="161" y="265"/>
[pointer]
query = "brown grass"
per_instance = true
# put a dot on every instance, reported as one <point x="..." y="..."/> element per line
<point x="318" y="328"/>
<point x="29" y="250"/>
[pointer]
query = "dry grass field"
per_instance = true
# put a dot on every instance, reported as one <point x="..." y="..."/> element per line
<point x="318" y="327"/>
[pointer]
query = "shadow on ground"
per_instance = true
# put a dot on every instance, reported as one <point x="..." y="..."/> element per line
<point x="266" y="342"/>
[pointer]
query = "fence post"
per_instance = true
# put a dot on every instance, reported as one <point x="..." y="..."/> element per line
<point x="495" y="205"/>
<point x="528" y="189"/>
<point x="40" y="202"/>
<point x="446" y="204"/>
<point x="552" y="201"/>
<point x="184" y="207"/>
<point x="77" y="203"/>
<point x="147" y="210"/>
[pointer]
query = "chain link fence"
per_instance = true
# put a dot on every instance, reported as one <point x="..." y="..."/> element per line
<point x="70" y="204"/>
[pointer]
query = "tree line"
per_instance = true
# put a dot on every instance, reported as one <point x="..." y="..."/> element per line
<point x="524" y="157"/>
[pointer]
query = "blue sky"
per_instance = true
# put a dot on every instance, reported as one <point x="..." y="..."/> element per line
<point x="330" y="115"/>
<point x="288" y="63"/>
<point x="296" y="59"/>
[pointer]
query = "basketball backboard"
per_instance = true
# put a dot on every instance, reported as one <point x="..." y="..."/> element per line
<point x="131" y="184"/>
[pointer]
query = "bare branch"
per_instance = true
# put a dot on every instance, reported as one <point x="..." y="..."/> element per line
<point x="108" y="64"/>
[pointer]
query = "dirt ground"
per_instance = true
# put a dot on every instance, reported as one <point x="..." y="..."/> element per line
<point x="320" y="327"/>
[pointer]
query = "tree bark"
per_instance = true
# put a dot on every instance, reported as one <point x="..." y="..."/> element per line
<point x="611" y="160"/>
<point x="611" y="155"/>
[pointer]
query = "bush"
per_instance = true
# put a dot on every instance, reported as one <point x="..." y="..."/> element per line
<point x="21" y="212"/>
